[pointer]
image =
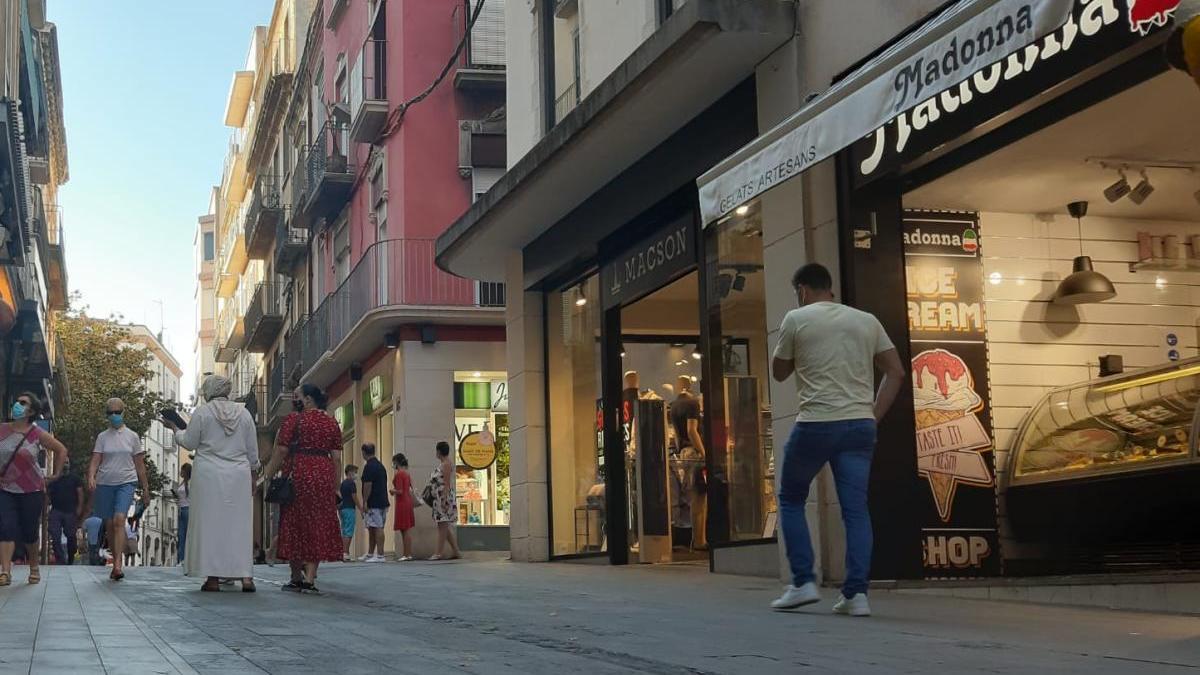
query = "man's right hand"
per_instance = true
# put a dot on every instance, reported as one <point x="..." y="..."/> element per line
<point x="91" y="483"/>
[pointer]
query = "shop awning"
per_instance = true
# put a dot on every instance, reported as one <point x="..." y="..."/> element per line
<point x="941" y="54"/>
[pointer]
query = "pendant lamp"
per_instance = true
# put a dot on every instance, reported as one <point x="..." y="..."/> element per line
<point x="1084" y="285"/>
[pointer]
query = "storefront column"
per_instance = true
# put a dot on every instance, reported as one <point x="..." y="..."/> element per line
<point x="529" y="527"/>
<point x="799" y="226"/>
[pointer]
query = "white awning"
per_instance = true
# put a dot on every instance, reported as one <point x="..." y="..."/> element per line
<point x="941" y="54"/>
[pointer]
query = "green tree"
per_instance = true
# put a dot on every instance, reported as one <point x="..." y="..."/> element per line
<point x="102" y="362"/>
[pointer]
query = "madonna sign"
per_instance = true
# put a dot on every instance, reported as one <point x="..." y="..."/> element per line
<point x="941" y="55"/>
<point x="649" y="264"/>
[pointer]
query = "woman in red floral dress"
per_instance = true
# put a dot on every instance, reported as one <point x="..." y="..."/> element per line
<point x="309" y="531"/>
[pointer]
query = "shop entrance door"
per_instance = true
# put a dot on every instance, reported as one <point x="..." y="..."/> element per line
<point x="661" y="414"/>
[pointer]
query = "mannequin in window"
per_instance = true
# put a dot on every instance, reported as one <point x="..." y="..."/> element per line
<point x="685" y="421"/>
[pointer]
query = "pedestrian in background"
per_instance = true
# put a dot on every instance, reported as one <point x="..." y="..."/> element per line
<point x="375" y="503"/>
<point x="23" y="485"/>
<point x="445" y="502"/>
<point x="117" y="466"/>
<point x="402" y="490"/>
<point x="224" y="445"/>
<point x="185" y="507"/>
<point x="131" y="541"/>
<point x="66" y="510"/>
<point x="832" y="352"/>
<point x="309" y="444"/>
<point x="92" y="527"/>
<point x="348" y="508"/>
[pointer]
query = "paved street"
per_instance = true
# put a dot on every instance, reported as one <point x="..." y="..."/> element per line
<point x="492" y="616"/>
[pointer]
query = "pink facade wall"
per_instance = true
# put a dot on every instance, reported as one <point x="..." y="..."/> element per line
<point x="425" y="191"/>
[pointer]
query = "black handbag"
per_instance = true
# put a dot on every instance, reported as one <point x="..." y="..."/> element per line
<point x="427" y="495"/>
<point x="280" y="489"/>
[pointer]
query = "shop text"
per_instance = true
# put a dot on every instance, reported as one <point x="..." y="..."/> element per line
<point x="1096" y="15"/>
<point x="932" y="304"/>
<point x="769" y="179"/>
<point x="913" y="78"/>
<point x="955" y="552"/>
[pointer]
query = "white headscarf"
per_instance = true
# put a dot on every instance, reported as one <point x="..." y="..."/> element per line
<point x="216" y="390"/>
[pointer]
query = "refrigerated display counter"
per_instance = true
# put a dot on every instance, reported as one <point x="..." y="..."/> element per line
<point x="1109" y="465"/>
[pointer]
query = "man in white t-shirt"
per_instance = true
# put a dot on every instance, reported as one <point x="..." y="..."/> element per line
<point x="832" y="352"/>
<point x="118" y="466"/>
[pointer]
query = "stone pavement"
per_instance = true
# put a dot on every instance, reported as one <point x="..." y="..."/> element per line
<point x="490" y="616"/>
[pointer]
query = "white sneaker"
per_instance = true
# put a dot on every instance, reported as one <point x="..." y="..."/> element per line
<point x="365" y="558"/>
<point x="377" y="559"/>
<point x="853" y="606"/>
<point x="797" y="596"/>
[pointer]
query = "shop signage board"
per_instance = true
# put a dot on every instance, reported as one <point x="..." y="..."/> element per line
<point x="1095" y="31"/>
<point x="649" y="264"/>
<point x="344" y="416"/>
<point x="955" y="451"/>
<point x="499" y="395"/>
<point x="477" y="450"/>
<point x="938" y="57"/>
<point x="374" y="397"/>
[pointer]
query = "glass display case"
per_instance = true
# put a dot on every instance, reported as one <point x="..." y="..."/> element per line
<point x="1112" y="425"/>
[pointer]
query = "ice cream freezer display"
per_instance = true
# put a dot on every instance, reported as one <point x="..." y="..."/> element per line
<point x="1104" y="473"/>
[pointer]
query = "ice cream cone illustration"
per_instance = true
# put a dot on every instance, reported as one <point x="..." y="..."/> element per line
<point x="942" y="485"/>
<point x="950" y="436"/>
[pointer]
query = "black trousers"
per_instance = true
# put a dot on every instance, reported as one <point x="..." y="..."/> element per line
<point x="63" y="522"/>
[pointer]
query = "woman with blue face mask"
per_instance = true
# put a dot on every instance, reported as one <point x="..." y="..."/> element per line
<point x="118" y="466"/>
<point x="23" y="485"/>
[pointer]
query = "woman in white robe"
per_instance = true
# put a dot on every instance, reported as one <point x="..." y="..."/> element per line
<point x="222" y="437"/>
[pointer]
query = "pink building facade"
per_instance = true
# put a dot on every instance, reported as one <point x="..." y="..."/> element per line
<point x="409" y="354"/>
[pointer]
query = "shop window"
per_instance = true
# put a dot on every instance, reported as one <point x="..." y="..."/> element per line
<point x="738" y="400"/>
<point x="573" y="319"/>
<point x="481" y="437"/>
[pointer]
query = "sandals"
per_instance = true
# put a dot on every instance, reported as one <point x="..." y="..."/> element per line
<point x="35" y="576"/>
<point x="211" y="586"/>
<point x="5" y="578"/>
<point x="249" y="587"/>
<point x="116" y="575"/>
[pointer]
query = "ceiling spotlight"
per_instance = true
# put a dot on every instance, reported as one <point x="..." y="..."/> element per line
<point x="742" y="210"/>
<point x="477" y="374"/>
<point x="1118" y="190"/>
<point x="696" y="354"/>
<point x="580" y="298"/>
<point x="1142" y="191"/>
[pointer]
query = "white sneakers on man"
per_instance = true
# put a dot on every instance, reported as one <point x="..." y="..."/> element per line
<point x="855" y="605"/>
<point x="797" y="596"/>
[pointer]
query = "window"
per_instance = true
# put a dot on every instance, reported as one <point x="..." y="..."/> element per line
<point x="210" y="247"/>
<point x="341" y="253"/>
<point x="576" y="449"/>
<point x="379" y="196"/>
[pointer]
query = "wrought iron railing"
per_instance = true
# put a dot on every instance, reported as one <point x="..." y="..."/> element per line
<point x="395" y="272"/>
<point x="266" y="300"/>
<point x="368" y="78"/>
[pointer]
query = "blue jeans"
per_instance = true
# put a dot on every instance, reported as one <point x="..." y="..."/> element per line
<point x="113" y="500"/>
<point x="183" y="520"/>
<point x="847" y="446"/>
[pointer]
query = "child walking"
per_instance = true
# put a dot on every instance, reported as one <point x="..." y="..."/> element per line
<point x="402" y="490"/>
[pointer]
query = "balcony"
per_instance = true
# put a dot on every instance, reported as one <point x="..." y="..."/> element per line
<point x="276" y="92"/>
<point x="293" y="348"/>
<point x="329" y="173"/>
<point x="368" y="92"/>
<point x="291" y="248"/>
<point x="264" y="316"/>
<point x="233" y="177"/>
<point x="397" y="274"/>
<point x="232" y="260"/>
<point x="564" y="9"/>
<point x="56" y="270"/>
<point x="231" y="334"/>
<point x="482" y="65"/>
<point x="264" y="214"/>
<point x="279" y="397"/>
<point x="566" y="102"/>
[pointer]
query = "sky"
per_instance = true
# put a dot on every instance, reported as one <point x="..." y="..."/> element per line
<point x="144" y="89"/>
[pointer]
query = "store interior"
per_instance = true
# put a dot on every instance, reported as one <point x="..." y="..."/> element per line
<point x="681" y="500"/>
<point x="1064" y="446"/>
